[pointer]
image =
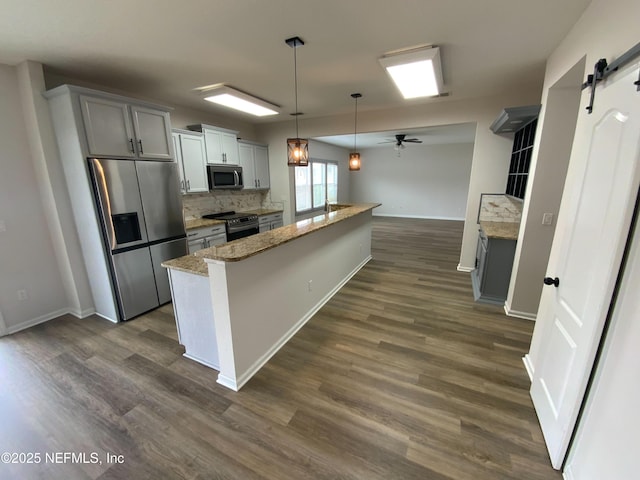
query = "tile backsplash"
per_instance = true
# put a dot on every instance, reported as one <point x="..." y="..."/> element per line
<point x="499" y="208"/>
<point x="196" y="205"/>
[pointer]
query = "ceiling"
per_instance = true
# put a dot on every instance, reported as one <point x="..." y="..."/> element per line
<point x="163" y="49"/>
<point x="445" y="134"/>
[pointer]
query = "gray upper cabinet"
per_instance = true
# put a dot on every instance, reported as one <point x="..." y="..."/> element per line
<point x="124" y="130"/>
<point x="191" y="158"/>
<point x="254" y="160"/>
<point x="222" y="144"/>
<point x="153" y="132"/>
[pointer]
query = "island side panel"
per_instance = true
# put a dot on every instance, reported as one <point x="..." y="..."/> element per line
<point x="266" y="298"/>
<point x="194" y="317"/>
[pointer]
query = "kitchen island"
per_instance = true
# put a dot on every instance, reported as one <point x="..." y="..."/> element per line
<point x="238" y="303"/>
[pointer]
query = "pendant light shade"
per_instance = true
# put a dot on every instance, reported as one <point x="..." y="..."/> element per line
<point x="354" y="157"/>
<point x="297" y="148"/>
<point x="297" y="152"/>
<point x="354" y="161"/>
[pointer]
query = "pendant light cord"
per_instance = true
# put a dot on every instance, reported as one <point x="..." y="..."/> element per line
<point x="355" y="127"/>
<point x="295" y="83"/>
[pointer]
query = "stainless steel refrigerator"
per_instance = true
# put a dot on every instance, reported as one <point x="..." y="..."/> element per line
<point x="140" y="209"/>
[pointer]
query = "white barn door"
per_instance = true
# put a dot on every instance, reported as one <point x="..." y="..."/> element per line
<point x="592" y="229"/>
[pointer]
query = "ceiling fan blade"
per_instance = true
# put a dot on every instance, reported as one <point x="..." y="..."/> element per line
<point x="413" y="140"/>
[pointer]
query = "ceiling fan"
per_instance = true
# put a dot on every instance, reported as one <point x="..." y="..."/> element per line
<point x="401" y="139"/>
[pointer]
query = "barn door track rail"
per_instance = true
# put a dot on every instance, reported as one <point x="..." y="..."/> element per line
<point x="602" y="70"/>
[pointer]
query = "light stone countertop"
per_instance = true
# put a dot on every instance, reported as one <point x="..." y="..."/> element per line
<point x="249" y="246"/>
<point x="201" y="222"/>
<point x="189" y="264"/>
<point x="501" y="230"/>
<point x="262" y="211"/>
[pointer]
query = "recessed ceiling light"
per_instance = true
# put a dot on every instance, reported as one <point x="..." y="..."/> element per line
<point x="238" y="100"/>
<point x="416" y="72"/>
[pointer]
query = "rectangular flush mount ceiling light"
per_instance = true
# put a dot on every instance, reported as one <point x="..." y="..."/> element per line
<point x="238" y="100"/>
<point x="416" y="72"/>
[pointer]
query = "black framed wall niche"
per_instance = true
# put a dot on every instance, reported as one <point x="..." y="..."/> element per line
<point x="521" y="160"/>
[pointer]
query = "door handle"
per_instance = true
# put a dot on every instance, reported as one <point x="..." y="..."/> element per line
<point x="552" y="281"/>
<point x="133" y="150"/>
<point x="141" y="150"/>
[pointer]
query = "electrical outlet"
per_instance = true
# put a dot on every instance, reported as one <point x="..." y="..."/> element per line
<point x="3" y="226"/>
<point x="310" y="285"/>
<point x="22" y="294"/>
<point x="547" y="218"/>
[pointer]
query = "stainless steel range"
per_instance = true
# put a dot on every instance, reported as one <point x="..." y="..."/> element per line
<point x="239" y="225"/>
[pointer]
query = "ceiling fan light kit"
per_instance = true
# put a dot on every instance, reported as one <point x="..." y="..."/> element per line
<point x="354" y="157"/>
<point x="416" y="72"/>
<point x="297" y="148"/>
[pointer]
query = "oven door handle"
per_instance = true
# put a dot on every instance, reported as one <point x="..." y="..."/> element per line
<point x="237" y="178"/>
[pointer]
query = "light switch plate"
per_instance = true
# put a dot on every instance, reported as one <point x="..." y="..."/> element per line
<point x="547" y="219"/>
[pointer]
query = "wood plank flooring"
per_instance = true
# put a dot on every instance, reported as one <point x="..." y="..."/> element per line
<point x="400" y="376"/>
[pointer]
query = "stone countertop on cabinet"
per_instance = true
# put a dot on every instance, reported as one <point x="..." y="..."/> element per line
<point x="501" y="230"/>
<point x="243" y="248"/>
<point x="189" y="264"/>
<point x="201" y="222"/>
<point x="262" y="211"/>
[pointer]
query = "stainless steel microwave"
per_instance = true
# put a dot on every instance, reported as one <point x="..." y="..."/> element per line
<point x="224" y="177"/>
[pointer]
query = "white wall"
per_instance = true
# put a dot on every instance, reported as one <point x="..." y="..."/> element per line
<point x="547" y="173"/>
<point x="607" y="29"/>
<point x="491" y="153"/>
<point x="425" y="181"/>
<point x="27" y="258"/>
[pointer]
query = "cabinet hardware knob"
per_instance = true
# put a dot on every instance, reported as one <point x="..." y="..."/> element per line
<point x="141" y="150"/>
<point x="133" y="150"/>
<point x="552" y="281"/>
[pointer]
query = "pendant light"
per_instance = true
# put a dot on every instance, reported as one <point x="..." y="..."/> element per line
<point x="297" y="148"/>
<point x="354" y="157"/>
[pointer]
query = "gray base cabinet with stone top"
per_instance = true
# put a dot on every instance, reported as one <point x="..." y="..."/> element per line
<point x="499" y="219"/>
<point x="494" y="261"/>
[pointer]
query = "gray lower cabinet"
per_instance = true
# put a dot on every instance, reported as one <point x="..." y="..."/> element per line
<point x="270" y="222"/>
<point x="206" y="237"/>
<point x="494" y="262"/>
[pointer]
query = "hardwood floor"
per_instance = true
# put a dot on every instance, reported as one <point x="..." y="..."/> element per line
<point x="400" y="376"/>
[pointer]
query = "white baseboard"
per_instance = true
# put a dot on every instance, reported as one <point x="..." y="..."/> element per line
<point x="112" y="320"/>
<point x="203" y="362"/>
<point x="82" y="313"/>
<point x="228" y="382"/>
<point x="465" y="269"/>
<point x="422" y="217"/>
<point x="528" y="366"/>
<point x="36" y="321"/>
<point x="517" y="314"/>
<point x="3" y="326"/>
<point x="258" y="364"/>
<point x="567" y="474"/>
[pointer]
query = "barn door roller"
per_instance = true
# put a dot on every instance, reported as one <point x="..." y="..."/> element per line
<point x="602" y="70"/>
